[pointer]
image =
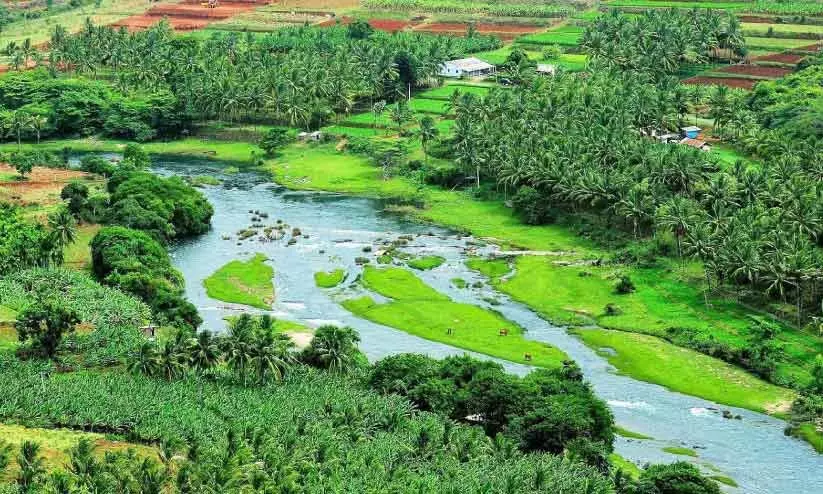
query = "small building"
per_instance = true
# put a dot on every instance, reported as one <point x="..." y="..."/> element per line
<point x="668" y="138"/>
<point x="691" y="132"/>
<point x="546" y="69"/>
<point x="316" y="135"/>
<point x="696" y="143"/>
<point x="466" y="67"/>
<point x="149" y="331"/>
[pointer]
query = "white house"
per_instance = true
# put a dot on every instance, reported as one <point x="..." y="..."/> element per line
<point x="546" y="69"/>
<point x="466" y="67"/>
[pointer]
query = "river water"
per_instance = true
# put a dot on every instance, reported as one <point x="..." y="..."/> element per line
<point x="753" y="451"/>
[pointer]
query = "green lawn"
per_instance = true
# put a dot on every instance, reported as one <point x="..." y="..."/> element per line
<point x="78" y="254"/>
<point x="418" y="309"/>
<point x="343" y="130"/>
<point x="808" y="432"/>
<point x="7" y="314"/>
<point x="243" y="282"/>
<point x="422" y="105"/>
<point x="621" y="431"/>
<point x="776" y="43"/>
<point x="762" y="29"/>
<point x="499" y="56"/>
<point x="329" y="279"/>
<point x="677" y="450"/>
<point x="426" y="263"/>
<point x="651" y="359"/>
<point x="445" y="92"/>
<point x="664" y="298"/>
<point x="563" y="35"/>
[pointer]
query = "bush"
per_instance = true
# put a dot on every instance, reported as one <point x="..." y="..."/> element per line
<point x="166" y="208"/>
<point x="532" y="206"/>
<point x="97" y="164"/>
<point x="136" y="263"/>
<point x="624" y="285"/>
<point x="676" y="478"/>
<point x="44" y="324"/>
<point x="77" y="195"/>
<point x="274" y="139"/>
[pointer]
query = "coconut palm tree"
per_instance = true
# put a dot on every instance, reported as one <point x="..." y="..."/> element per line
<point x="428" y="133"/>
<point x="146" y="360"/>
<point x="31" y="467"/>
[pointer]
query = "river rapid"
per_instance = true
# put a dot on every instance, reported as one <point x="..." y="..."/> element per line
<point x="753" y="451"/>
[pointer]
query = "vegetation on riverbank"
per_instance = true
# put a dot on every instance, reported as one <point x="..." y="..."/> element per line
<point x="653" y="360"/>
<point x="425" y="263"/>
<point x="420" y="310"/>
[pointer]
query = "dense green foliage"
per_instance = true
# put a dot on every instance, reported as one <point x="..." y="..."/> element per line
<point x="136" y="263"/>
<point x="113" y="315"/>
<point x="298" y="76"/>
<point x="549" y="410"/>
<point x="754" y="228"/>
<point x="659" y="41"/>
<point x="793" y="105"/>
<point x="45" y="324"/>
<point x="22" y="244"/>
<point x="166" y="208"/>
<point x="41" y="104"/>
<point x="312" y="432"/>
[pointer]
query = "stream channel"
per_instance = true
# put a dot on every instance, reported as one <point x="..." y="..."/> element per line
<point x="753" y="451"/>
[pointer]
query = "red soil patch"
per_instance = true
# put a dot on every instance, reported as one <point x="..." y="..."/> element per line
<point x="814" y="47"/>
<point x="137" y="22"/>
<point x="757" y="19"/>
<point x="42" y="185"/>
<point x="781" y="58"/>
<point x="722" y="81"/>
<point x="189" y="15"/>
<point x="388" y="25"/>
<point x="757" y="70"/>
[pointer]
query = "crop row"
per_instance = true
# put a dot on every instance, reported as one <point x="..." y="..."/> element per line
<point x="472" y="7"/>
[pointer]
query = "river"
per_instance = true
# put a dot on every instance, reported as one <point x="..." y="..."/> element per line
<point x="753" y="451"/>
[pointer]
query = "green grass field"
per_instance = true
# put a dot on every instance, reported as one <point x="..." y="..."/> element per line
<point x="418" y="309"/>
<point x="677" y="450"/>
<point x="650" y="359"/>
<point x="57" y="443"/>
<point x="776" y="43"/>
<point x="329" y="279"/>
<point x="422" y="105"/>
<point x="78" y="255"/>
<point x="243" y="282"/>
<point x="563" y="36"/>
<point x="426" y="263"/>
<point x="621" y="431"/>
<point x="783" y="28"/>
<point x="445" y="92"/>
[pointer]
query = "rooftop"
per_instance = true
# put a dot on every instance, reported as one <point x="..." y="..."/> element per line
<point x="470" y="64"/>
<point x="695" y="143"/>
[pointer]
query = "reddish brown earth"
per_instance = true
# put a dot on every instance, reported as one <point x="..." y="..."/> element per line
<point x="756" y="19"/>
<point x="189" y="14"/>
<point x="757" y="70"/>
<point x="814" y="47"/>
<point x="781" y="58"/>
<point x="722" y="81"/>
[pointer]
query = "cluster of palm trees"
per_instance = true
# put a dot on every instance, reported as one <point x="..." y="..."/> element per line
<point x="578" y="142"/>
<point x="661" y="40"/>
<point x="299" y="76"/>
<point x="18" y="123"/>
<point x="252" y="350"/>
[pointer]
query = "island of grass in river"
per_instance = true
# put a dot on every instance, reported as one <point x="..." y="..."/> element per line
<point x="418" y="309"/>
<point x="329" y="279"/>
<point x="243" y="282"/>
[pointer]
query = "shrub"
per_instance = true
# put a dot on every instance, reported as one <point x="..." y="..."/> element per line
<point x="624" y="285"/>
<point x="676" y="478"/>
<point x="532" y="206"/>
<point x="44" y="324"/>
